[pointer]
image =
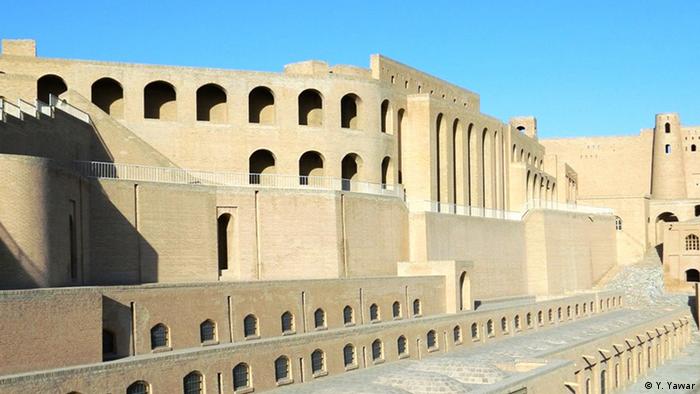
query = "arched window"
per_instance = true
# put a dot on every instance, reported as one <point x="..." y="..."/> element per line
<point x="350" y="167"/>
<point x="50" y="85"/>
<point x="193" y="383"/>
<point x="396" y="310"/>
<point x="282" y="369"/>
<point x="319" y="319"/>
<point x="489" y="328"/>
<point x="457" y="334"/>
<point x="348" y="316"/>
<point x="386" y="116"/>
<point x="540" y="318"/>
<point x="211" y="103"/>
<point x="318" y="362"/>
<point x="591" y="306"/>
<point x="516" y="322"/>
<point x="349" y="111"/>
<point x="692" y="275"/>
<point x="504" y="324"/>
<point x="584" y="307"/>
<point x="475" y="331"/>
<point x="618" y="223"/>
<point x="159" y="101"/>
<point x="559" y="314"/>
<point x="241" y="377"/>
<point x="377" y="350"/>
<point x="260" y="163"/>
<point x="401" y="346"/>
<point x="224" y="226"/>
<point x="387" y="172"/>
<point x="108" y="95"/>
<point x="287" y="322"/>
<point x="139" y="387"/>
<point x="577" y="310"/>
<point x="374" y="312"/>
<point x="603" y="383"/>
<point x="310" y="168"/>
<point x="349" y="355"/>
<point x="667" y="149"/>
<point x="550" y="316"/>
<point x="697" y="210"/>
<point x="261" y="106"/>
<point x="692" y="242"/>
<point x="310" y="108"/>
<point x="416" y="307"/>
<point x="667" y="127"/>
<point x="431" y="340"/>
<point x="588" y="386"/>
<point x="207" y="331"/>
<point x="528" y="319"/>
<point x="693" y="148"/>
<point x="159" y="336"/>
<point x="108" y="343"/>
<point x="250" y="326"/>
<point x="568" y="311"/>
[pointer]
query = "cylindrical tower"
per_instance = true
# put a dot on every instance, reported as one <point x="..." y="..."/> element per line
<point x="667" y="171"/>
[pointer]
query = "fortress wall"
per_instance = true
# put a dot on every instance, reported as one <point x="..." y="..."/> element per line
<point x="165" y="371"/>
<point x="35" y="232"/>
<point x="567" y="251"/>
<point x="73" y="318"/>
<point x="497" y="248"/>
<point x="376" y="234"/>
<point x="184" y="307"/>
<point x="595" y="158"/>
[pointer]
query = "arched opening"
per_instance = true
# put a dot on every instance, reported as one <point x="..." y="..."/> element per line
<point x="618" y="223"/>
<point x="386" y="124"/>
<point x="250" y="326"/>
<point x="459" y="163"/>
<point x="159" y="101"/>
<point x="697" y="210"/>
<point x="193" y="383"/>
<point x="108" y="95"/>
<point x="260" y="163"/>
<point x="282" y="369"/>
<point x="349" y="355"/>
<point x="401" y="347"/>
<point x="667" y="127"/>
<point x="417" y="309"/>
<point x="692" y="275"/>
<point x="310" y="108"/>
<point x="387" y="172"/>
<point x="464" y="292"/>
<point x="139" y="387"/>
<point x="431" y="340"/>
<point x="261" y="106"/>
<point x="377" y="350"/>
<point x="487" y="170"/>
<point x="287" y="321"/>
<point x="319" y="318"/>
<point x="160" y="336"/>
<point x="241" y="377"/>
<point x="442" y="160"/>
<point x="401" y="116"/>
<point x="348" y="315"/>
<point x="50" y="85"/>
<point x="224" y="226"/>
<point x="693" y="148"/>
<point x="318" y="361"/>
<point x="310" y="168"/>
<point x="603" y="382"/>
<point x="207" y="331"/>
<point x="374" y="313"/>
<point x="396" y="310"/>
<point x="211" y="103"/>
<point x="350" y="111"/>
<point x="662" y="221"/>
<point x="472" y="173"/>
<point x="350" y="167"/>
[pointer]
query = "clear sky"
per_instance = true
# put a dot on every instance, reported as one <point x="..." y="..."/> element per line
<point x="583" y="68"/>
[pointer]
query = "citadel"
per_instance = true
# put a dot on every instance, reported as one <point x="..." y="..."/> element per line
<point x="328" y="229"/>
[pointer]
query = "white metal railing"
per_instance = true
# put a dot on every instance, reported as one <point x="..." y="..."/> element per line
<point x="545" y="204"/>
<point x="69" y="109"/>
<point x="463" y="210"/>
<point x="133" y="172"/>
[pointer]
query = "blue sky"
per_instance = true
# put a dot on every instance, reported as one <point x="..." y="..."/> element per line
<point x="583" y="68"/>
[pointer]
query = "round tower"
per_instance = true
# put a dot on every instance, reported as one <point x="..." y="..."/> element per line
<point x="667" y="171"/>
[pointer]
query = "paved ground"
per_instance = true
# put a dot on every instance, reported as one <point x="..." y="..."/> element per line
<point x="473" y="369"/>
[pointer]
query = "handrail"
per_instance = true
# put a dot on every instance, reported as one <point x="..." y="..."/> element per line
<point x="559" y="206"/>
<point x="462" y="210"/>
<point x="135" y="172"/>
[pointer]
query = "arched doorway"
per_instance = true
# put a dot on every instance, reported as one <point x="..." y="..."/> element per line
<point x="661" y="223"/>
<point x="350" y="167"/>
<point x="50" y="85"/>
<point x="692" y="275"/>
<point x="465" y="302"/>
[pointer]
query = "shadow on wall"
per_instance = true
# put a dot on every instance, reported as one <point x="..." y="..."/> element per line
<point x="660" y="251"/>
<point x="693" y="304"/>
<point x="116" y="329"/>
<point x="17" y="270"/>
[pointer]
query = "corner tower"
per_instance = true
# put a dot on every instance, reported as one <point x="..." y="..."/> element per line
<point x="667" y="171"/>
